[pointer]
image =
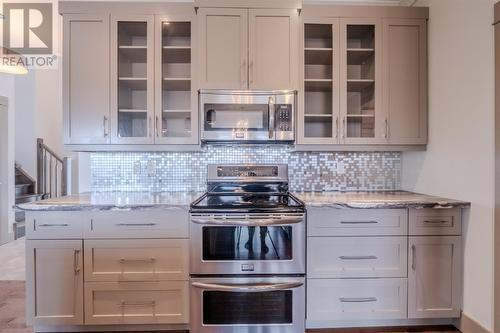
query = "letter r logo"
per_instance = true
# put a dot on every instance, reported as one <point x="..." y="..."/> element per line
<point x="27" y="27"/>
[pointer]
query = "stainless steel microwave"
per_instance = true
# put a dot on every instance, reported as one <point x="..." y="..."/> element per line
<point x="247" y="115"/>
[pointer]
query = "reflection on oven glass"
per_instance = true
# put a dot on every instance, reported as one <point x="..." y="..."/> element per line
<point x="230" y="308"/>
<point x="247" y="243"/>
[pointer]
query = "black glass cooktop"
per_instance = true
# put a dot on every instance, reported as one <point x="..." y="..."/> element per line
<point x="248" y="201"/>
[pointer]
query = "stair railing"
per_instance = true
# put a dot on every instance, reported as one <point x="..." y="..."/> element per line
<point x="53" y="172"/>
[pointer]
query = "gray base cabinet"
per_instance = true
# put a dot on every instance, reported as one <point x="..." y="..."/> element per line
<point x="54" y="282"/>
<point x="87" y="268"/>
<point x="369" y="265"/>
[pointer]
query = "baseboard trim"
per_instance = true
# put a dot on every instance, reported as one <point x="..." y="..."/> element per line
<point x="468" y="325"/>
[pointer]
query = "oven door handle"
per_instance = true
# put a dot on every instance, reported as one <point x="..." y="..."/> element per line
<point x="249" y="288"/>
<point x="248" y="223"/>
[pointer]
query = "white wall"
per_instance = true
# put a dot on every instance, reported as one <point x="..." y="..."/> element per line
<point x="459" y="161"/>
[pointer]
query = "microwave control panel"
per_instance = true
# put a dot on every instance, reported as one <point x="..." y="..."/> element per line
<point x="284" y="117"/>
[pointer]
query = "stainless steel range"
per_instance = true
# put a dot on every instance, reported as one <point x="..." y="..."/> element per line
<point x="247" y="237"/>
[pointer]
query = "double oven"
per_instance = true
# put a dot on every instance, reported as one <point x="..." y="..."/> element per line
<point x="247" y="261"/>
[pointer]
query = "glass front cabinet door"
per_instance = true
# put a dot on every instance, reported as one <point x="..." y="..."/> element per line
<point x="362" y="117"/>
<point x="152" y="95"/>
<point x="320" y="82"/>
<point x="132" y="84"/>
<point x="175" y="105"/>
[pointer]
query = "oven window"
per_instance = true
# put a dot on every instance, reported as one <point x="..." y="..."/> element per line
<point x="226" y="117"/>
<point x="227" y="308"/>
<point x="247" y="243"/>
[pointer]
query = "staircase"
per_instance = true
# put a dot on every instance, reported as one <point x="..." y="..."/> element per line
<point x="25" y="192"/>
<point x="53" y="180"/>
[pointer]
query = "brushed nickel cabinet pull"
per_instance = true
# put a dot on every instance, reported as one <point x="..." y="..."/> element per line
<point x="76" y="261"/>
<point x="150" y="260"/>
<point x="105" y="126"/>
<point x="358" y="257"/>
<point x="357" y="299"/>
<point x="158" y="126"/>
<point x="358" y="222"/>
<point x="54" y="225"/>
<point x="413" y="258"/>
<point x="386" y="128"/>
<point x="136" y="224"/>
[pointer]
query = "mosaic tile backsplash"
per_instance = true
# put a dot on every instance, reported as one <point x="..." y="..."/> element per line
<point x="186" y="171"/>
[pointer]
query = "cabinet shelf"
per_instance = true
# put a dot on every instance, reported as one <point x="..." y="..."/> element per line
<point x="133" y="54"/>
<point x="177" y="84"/>
<point x="133" y="83"/>
<point x="318" y="56"/>
<point x="317" y="115"/>
<point x="133" y="110"/>
<point x="359" y="56"/>
<point x="360" y="115"/>
<point x="359" y="84"/>
<point x="318" y="84"/>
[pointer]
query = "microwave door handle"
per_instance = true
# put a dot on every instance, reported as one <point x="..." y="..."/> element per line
<point x="272" y="113"/>
<point x="249" y="288"/>
<point x="211" y="117"/>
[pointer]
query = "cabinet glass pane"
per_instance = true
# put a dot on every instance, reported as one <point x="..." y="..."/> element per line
<point x="176" y="76"/>
<point x="360" y="118"/>
<point x="318" y="84"/>
<point x="132" y="79"/>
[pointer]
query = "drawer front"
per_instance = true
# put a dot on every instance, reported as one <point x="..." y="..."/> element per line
<point x="357" y="222"/>
<point x="136" y="260"/>
<point x="436" y="221"/>
<point x="136" y="303"/>
<point x="55" y="225"/>
<point x="165" y="223"/>
<point x="356" y="257"/>
<point x="345" y="299"/>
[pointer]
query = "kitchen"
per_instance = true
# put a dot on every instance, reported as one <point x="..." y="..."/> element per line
<point x="159" y="113"/>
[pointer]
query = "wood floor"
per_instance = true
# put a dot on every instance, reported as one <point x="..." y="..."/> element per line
<point x="12" y="314"/>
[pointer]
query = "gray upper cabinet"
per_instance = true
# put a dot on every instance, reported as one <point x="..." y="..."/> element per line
<point x="405" y="80"/>
<point x="176" y="107"/>
<point x="364" y="77"/>
<point x="248" y="48"/>
<point x="132" y="79"/>
<point x="86" y="79"/>
<point x="223" y="48"/>
<point x="273" y="41"/>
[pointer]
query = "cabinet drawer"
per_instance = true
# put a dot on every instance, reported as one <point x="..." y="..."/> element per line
<point x="136" y="302"/>
<point x="55" y="225"/>
<point x="357" y="222"/>
<point x="165" y="223"/>
<point x="436" y="221"/>
<point x="136" y="260"/>
<point x="345" y="299"/>
<point x="356" y="257"/>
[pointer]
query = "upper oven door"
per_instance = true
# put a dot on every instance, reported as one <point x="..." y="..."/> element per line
<point x="247" y="244"/>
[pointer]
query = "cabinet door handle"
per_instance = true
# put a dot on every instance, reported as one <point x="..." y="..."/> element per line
<point x="337" y="129"/>
<point x="124" y="261"/>
<point x="150" y="303"/>
<point x="158" y="126"/>
<point x="250" y="72"/>
<point x="358" y="257"/>
<point x="386" y="128"/>
<point x="357" y="299"/>
<point x="105" y="126"/>
<point x="358" y="222"/>
<point x="53" y="225"/>
<point x="76" y="261"/>
<point x="244" y="74"/>
<point x="413" y="257"/>
<point x="435" y="221"/>
<point x="344" y="127"/>
<point x="150" y="126"/>
<point x="136" y="224"/>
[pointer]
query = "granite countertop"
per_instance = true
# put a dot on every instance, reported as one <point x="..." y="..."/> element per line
<point x="143" y="200"/>
<point x="114" y="200"/>
<point x="376" y="199"/>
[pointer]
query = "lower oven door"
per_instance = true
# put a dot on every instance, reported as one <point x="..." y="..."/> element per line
<point x="248" y="305"/>
<point x="247" y="244"/>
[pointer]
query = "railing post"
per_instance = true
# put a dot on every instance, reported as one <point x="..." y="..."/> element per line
<point x="66" y="176"/>
<point x="40" y="182"/>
